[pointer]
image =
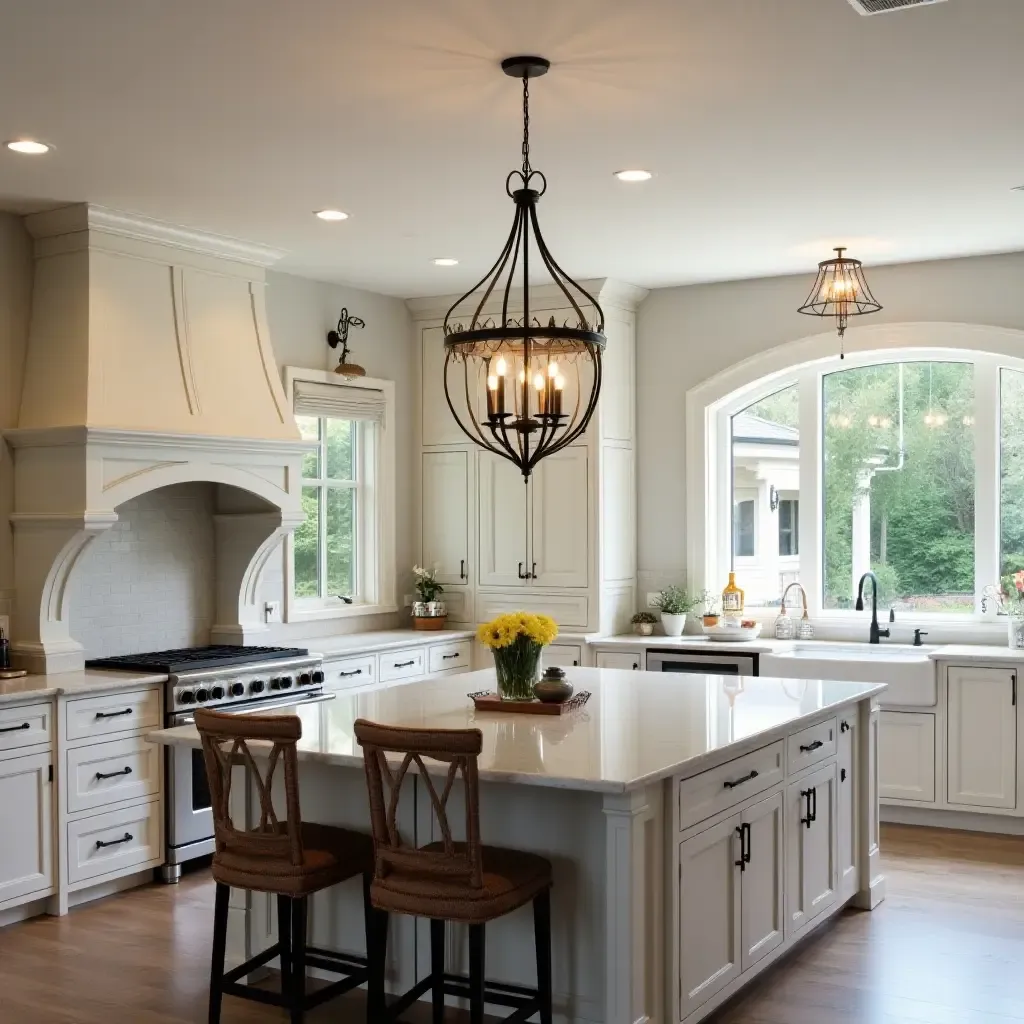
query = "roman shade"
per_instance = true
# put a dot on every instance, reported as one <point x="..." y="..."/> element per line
<point x="340" y="401"/>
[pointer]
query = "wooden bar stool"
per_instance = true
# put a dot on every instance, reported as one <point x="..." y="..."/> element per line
<point x="289" y="859"/>
<point x="463" y="882"/>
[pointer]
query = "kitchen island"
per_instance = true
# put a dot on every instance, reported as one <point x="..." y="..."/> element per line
<point x="698" y="827"/>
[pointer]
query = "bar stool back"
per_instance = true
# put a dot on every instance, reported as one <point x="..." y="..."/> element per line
<point x="449" y="880"/>
<point x="288" y="858"/>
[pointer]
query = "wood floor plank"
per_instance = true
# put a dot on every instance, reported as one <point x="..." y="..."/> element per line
<point x="946" y="947"/>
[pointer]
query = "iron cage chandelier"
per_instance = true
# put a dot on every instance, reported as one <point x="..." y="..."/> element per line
<point x="518" y="387"/>
<point x="840" y="291"/>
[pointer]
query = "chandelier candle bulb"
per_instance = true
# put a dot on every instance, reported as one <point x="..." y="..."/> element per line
<point x="556" y="395"/>
<point x="541" y="386"/>
<point x="495" y="396"/>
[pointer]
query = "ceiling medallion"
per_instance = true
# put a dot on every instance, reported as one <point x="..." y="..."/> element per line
<point x="518" y="386"/>
<point x="840" y="291"/>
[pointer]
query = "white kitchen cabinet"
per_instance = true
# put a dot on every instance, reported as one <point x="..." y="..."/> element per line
<point x="906" y="756"/>
<point x="560" y="522"/>
<point x="504" y="558"/>
<point x="812" y="871"/>
<point x="848" y="826"/>
<point x="437" y="425"/>
<point x="762" y="879"/>
<point x="566" y="655"/>
<point x="629" y="660"/>
<point x="981" y="721"/>
<point x="445" y="540"/>
<point x="26" y="838"/>
<point x="709" y="918"/>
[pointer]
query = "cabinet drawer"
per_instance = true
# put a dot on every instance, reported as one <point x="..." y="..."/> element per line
<point x="811" y="745"/>
<point x="567" y="655"/>
<point x="116" y="841"/>
<point x="125" y="711"/>
<point x="402" y="664"/>
<point x="720" y="788"/>
<point x="350" y="672"/>
<point x="25" y="726"/>
<point x="108" y="773"/>
<point x="454" y="655"/>
<point x="631" y="661"/>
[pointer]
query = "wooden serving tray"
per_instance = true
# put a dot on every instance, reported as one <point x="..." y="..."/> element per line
<point x="487" y="701"/>
<point x="13" y="673"/>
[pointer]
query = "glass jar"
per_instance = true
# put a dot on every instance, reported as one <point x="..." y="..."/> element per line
<point x="517" y="668"/>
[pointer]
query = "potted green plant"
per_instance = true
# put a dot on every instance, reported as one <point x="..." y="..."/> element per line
<point x="712" y="610"/>
<point x="427" y="611"/>
<point x="643" y="623"/>
<point x="673" y="603"/>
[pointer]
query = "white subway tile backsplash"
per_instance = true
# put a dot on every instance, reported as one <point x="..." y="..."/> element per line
<point x="148" y="582"/>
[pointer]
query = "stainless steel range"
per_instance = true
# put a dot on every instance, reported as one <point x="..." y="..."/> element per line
<point x="231" y="679"/>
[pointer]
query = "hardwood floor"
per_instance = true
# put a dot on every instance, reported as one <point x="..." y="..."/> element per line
<point x="946" y="947"/>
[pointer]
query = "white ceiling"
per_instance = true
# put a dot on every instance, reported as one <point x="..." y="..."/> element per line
<point x="776" y="129"/>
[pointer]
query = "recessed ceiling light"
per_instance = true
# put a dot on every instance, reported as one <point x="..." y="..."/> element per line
<point x="445" y="261"/>
<point x="30" y="147"/>
<point x="635" y="175"/>
<point x="332" y="215"/>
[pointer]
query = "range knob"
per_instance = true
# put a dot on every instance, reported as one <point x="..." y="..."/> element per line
<point x="202" y="695"/>
<point x="237" y="689"/>
<point x="186" y="697"/>
<point x="257" y="686"/>
<point x="217" y="693"/>
<point x="283" y="682"/>
<point x="318" y="676"/>
<point x="305" y="679"/>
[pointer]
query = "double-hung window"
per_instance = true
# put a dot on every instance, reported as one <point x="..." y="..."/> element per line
<point x="342" y="555"/>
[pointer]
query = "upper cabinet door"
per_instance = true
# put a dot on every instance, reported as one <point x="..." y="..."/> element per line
<point x="502" y="522"/>
<point x="445" y="543"/>
<point x="437" y="424"/>
<point x="982" y="723"/>
<point x="561" y="520"/>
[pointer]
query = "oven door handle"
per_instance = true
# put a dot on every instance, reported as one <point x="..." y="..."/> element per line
<point x="265" y="705"/>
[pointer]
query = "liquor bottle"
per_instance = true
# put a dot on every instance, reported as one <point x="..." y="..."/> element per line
<point x="732" y="599"/>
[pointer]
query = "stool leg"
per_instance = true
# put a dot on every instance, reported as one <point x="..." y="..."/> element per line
<point x="542" y="940"/>
<point x="437" y="970"/>
<point x="284" y="938"/>
<point x="297" y="994"/>
<point x="376" y="955"/>
<point x="476" y="974"/>
<point x="220" y="939"/>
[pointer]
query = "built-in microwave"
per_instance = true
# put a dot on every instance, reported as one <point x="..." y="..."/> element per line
<point x="705" y="662"/>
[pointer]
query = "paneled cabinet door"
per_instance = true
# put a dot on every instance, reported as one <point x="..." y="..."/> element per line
<point x="26" y="838"/>
<point x="437" y="425"/>
<point x="812" y="871"/>
<point x="446" y="516"/>
<point x="982" y="743"/>
<point x="906" y="756"/>
<point x="632" y="661"/>
<point x="561" y="522"/>
<point x="848" y="826"/>
<point x="763" y="879"/>
<point x="710" y="946"/>
<point x="502" y="522"/>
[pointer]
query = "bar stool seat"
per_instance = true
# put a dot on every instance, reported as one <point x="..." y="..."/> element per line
<point x="329" y="855"/>
<point x="510" y="879"/>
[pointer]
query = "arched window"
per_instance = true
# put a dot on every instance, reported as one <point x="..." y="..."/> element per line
<point x="905" y="461"/>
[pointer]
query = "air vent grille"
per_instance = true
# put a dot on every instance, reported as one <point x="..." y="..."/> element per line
<point x="885" y="6"/>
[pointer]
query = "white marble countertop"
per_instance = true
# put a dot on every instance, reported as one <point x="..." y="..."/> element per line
<point x="72" y="684"/>
<point x="976" y="652"/>
<point x="696" y="642"/>
<point x="637" y="727"/>
<point x="382" y="640"/>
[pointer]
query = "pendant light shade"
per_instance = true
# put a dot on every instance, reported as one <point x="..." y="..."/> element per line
<point x="840" y="291"/>
<point x="521" y="384"/>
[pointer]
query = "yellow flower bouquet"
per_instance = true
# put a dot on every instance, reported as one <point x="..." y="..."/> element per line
<point x="516" y="641"/>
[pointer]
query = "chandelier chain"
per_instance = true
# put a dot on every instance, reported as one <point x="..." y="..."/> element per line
<point x="526" y="127"/>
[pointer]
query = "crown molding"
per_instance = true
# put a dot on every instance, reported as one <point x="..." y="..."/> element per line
<point x="101" y="220"/>
<point x="58" y="437"/>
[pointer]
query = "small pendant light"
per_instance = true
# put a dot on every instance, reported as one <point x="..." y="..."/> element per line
<point x="840" y="291"/>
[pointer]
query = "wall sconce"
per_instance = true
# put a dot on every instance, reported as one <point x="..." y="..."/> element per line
<point x="773" y="498"/>
<point x="339" y="336"/>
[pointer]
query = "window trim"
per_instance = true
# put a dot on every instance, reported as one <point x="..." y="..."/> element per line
<point x="710" y="404"/>
<point x="375" y="518"/>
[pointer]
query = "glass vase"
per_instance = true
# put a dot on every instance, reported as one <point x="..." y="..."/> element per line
<point x="517" y="668"/>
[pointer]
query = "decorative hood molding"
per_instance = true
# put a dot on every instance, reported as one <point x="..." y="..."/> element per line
<point x="149" y="364"/>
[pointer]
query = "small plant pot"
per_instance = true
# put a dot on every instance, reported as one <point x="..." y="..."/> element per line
<point x="673" y="625"/>
<point x="643" y="628"/>
<point x="711" y="620"/>
<point x="429" y="621"/>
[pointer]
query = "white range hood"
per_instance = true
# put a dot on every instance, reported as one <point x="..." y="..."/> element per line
<point x="149" y="363"/>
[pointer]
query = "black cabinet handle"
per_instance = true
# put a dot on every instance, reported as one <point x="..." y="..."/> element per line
<point x="354" y="672"/>
<point x="1013" y="696"/>
<point x="520" y="574"/>
<point x="811" y="746"/>
<point x="448" y="657"/>
<point x="842" y="774"/>
<point x="113" y="714"/>
<point x="16" y="728"/>
<point x="462" y="569"/>
<point x="743" y="831"/>
<point x="404" y="664"/>
<point x="113" y="775"/>
<point x="844" y="726"/>
<point x="127" y="838"/>
<point x="739" y="782"/>
<point x="636" y="665"/>
<point x="811" y="795"/>
<point x="533" y="572"/>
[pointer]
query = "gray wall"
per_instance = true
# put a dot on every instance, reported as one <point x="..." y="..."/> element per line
<point x="686" y="335"/>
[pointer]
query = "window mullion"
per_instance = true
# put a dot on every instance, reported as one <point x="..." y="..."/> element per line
<point x="811" y="492"/>
<point x="987" y="450"/>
